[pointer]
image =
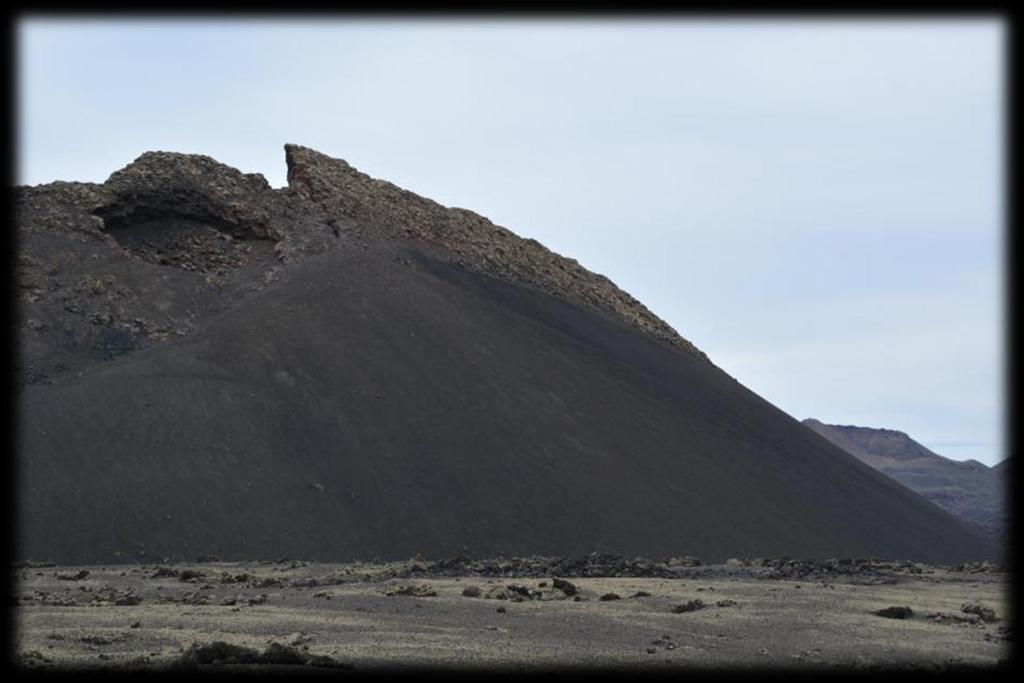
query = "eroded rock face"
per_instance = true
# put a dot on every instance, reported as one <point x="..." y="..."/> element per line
<point x="380" y="210"/>
<point x="61" y="207"/>
<point x="163" y="185"/>
<point x="191" y="212"/>
<point x="209" y="232"/>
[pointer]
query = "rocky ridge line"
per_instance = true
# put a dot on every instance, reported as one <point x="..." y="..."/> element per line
<point x="377" y="209"/>
<point x="326" y="201"/>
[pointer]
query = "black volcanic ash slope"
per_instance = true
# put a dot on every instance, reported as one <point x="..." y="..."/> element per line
<point x="341" y="369"/>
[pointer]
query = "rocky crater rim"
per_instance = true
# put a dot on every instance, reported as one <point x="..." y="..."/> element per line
<point x="180" y="201"/>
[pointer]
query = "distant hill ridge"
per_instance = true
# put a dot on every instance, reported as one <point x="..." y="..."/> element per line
<point x="968" y="489"/>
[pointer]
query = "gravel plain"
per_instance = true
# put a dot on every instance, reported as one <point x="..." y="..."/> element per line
<point x="320" y="617"/>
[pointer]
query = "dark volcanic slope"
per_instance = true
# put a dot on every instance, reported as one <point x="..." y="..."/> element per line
<point x="969" y="490"/>
<point x="336" y="370"/>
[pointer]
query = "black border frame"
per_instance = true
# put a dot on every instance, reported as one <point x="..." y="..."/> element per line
<point x="555" y="10"/>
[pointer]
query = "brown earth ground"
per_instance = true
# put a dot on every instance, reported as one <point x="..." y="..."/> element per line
<point x="396" y="615"/>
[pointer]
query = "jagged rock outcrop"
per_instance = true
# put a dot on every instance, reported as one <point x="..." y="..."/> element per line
<point x="195" y="214"/>
<point x="61" y="206"/>
<point x="162" y="185"/>
<point x="380" y="210"/>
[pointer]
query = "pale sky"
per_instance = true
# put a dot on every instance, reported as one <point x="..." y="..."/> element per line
<point x="817" y="205"/>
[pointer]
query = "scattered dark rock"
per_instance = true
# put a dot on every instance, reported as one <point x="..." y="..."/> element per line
<point x="1003" y="633"/>
<point x="269" y="582"/>
<point x="107" y="595"/>
<point x="276" y="653"/>
<point x="725" y="603"/>
<point x="664" y="642"/>
<point x="45" y="598"/>
<point x="564" y="586"/>
<point x="609" y="596"/>
<point x="101" y="640"/>
<point x="593" y="565"/>
<point x="980" y="568"/>
<point x="689" y="606"/>
<point x="513" y="592"/>
<point x="520" y="593"/>
<point x="946" y="618"/>
<point x="227" y="577"/>
<point x="414" y="590"/>
<point x="684" y="562"/>
<point x="895" y="612"/>
<point x="195" y="598"/>
<point x="471" y="592"/>
<point x="497" y="593"/>
<point x="165" y="572"/>
<point x="308" y="582"/>
<point x="75" y="576"/>
<point x="984" y="613"/>
<point x="219" y="652"/>
<point x="298" y="638"/>
<point x="500" y="610"/>
<point x="33" y="658"/>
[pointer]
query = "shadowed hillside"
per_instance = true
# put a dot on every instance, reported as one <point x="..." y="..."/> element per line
<point x="343" y="370"/>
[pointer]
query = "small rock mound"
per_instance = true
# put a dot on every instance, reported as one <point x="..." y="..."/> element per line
<point x="221" y="653"/>
<point x="73" y="576"/>
<point x="414" y="590"/>
<point x="984" y="613"/>
<point x="187" y="211"/>
<point x="689" y="606"/>
<point x="163" y="184"/>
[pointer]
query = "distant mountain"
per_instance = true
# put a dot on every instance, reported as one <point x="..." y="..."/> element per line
<point x="970" y="490"/>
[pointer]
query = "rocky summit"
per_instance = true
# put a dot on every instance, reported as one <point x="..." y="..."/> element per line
<point x="340" y="370"/>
